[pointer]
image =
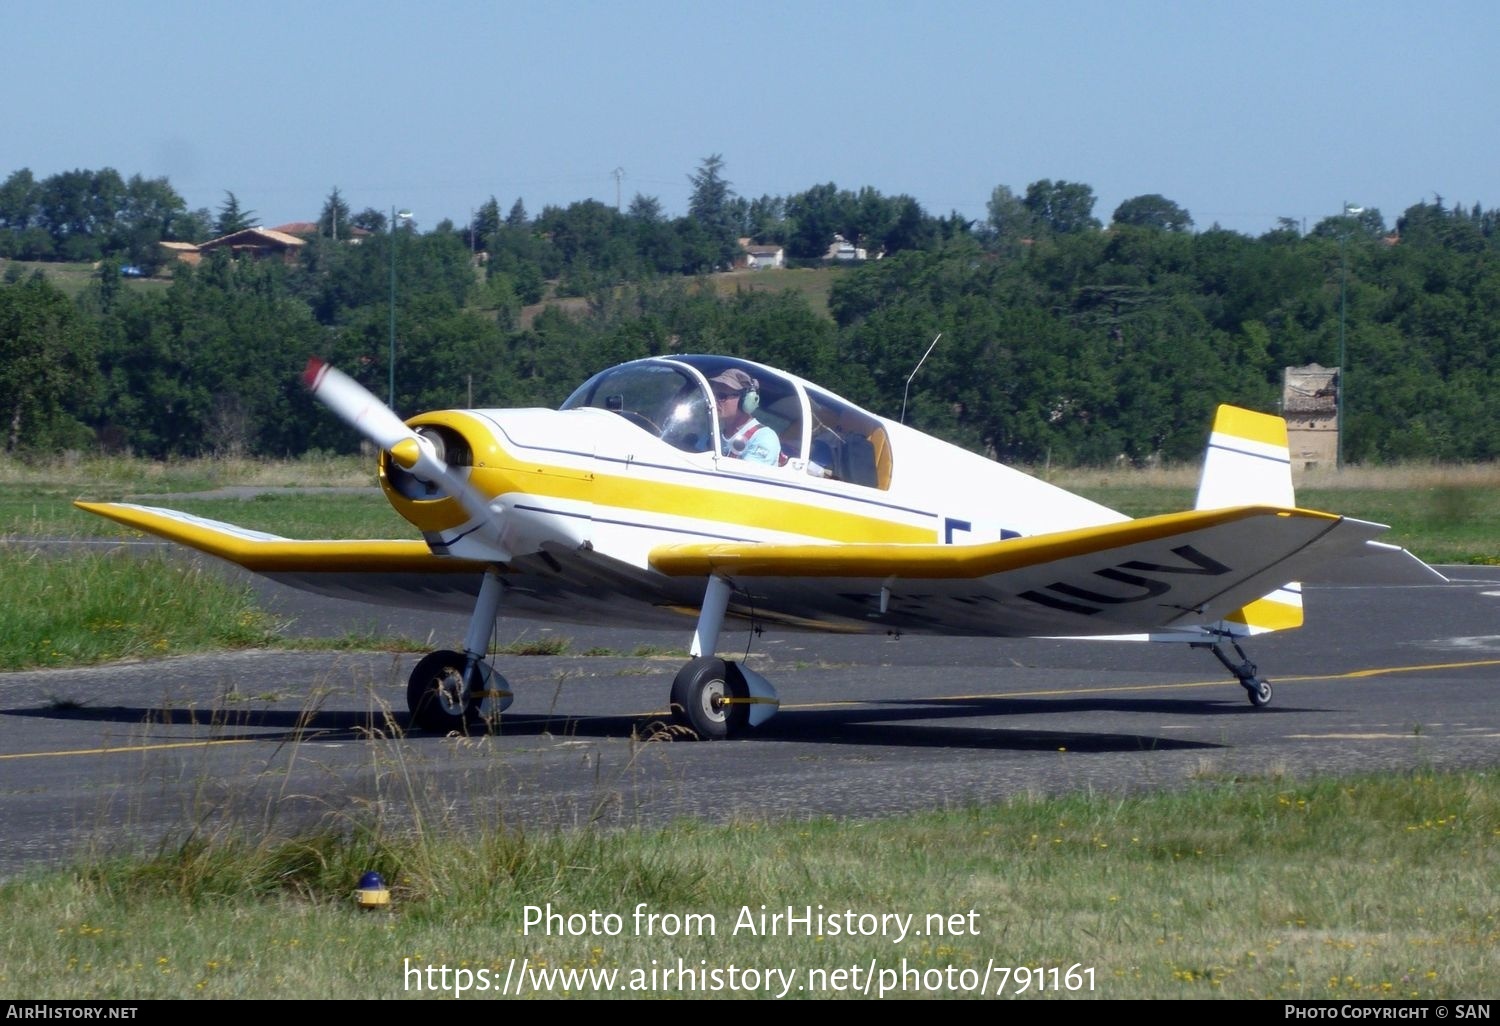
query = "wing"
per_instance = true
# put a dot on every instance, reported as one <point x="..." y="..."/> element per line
<point x="1157" y="573"/>
<point x="404" y="573"/>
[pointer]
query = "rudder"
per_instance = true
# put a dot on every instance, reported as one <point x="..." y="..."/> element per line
<point x="1249" y="463"/>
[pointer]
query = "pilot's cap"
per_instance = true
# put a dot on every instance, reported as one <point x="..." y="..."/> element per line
<point x="733" y="379"/>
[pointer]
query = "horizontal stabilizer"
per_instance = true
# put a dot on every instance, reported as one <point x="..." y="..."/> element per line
<point x="1375" y="563"/>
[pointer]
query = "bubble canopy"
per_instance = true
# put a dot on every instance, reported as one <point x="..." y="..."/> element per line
<point x="672" y="399"/>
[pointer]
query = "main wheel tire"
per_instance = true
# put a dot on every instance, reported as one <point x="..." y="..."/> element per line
<point x="700" y="696"/>
<point x="438" y="695"/>
<point x="1260" y="695"/>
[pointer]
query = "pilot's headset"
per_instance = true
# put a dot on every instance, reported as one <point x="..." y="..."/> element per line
<point x="750" y="398"/>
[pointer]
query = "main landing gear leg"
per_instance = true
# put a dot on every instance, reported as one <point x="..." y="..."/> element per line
<point x="451" y="691"/>
<point x="713" y="697"/>
<point x="711" y="617"/>
<point x="1245" y="671"/>
<point x="704" y="691"/>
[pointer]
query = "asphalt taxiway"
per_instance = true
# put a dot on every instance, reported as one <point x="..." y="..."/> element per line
<point x="141" y="754"/>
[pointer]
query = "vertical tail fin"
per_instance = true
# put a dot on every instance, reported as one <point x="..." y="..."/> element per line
<point x="1248" y="462"/>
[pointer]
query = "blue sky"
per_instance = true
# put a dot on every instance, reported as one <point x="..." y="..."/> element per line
<point x="1241" y="112"/>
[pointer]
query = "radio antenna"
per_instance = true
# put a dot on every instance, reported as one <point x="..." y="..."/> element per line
<point x="914" y="374"/>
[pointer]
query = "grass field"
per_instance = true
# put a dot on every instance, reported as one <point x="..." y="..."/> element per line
<point x="73" y="278"/>
<point x="812" y="283"/>
<point x="1369" y="887"/>
<point x="36" y="500"/>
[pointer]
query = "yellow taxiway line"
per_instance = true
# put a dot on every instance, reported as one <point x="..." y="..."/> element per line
<point x="1378" y="671"/>
<point x="161" y="747"/>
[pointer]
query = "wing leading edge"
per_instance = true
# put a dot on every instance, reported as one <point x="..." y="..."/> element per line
<point x="1156" y="573"/>
<point x="271" y="554"/>
<point x="396" y="573"/>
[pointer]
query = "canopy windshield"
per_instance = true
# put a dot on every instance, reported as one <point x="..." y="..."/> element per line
<point x="666" y="399"/>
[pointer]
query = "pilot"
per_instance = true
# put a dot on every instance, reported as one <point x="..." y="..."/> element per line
<point x="737" y="396"/>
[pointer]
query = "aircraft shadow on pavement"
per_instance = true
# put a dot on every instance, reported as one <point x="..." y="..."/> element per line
<point x="917" y="723"/>
<point x="239" y="724"/>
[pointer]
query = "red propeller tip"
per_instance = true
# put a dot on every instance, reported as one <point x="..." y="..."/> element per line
<point x="314" y="372"/>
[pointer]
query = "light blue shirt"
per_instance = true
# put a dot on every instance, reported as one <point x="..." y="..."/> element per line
<point x="755" y="443"/>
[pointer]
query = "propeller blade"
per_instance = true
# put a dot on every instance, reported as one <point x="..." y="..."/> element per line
<point x="355" y="405"/>
<point x="358" y="408"/>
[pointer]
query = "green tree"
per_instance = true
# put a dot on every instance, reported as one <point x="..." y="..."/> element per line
<point x="485" y="223"/>
<point x="815" y="217"/>
<point x="195" y="226"/>
<point x="20" y="201"/>
<point x="646" y="209"/>
<point x="1153" y="211"/>
<point x="594" y="241"/>
<point x="20" y="217"/>
<point x="656" y="240"/>
<point x="79" y="210"/>
<point x="767" y="220"/>
<point x="47" y="368"/>
<point x="780" y="329"/>
<point x="1364" y="223"/>
<point x="1288" y="229"/>
<point x="370" y="220"/>
<point x="1010" y="220"/>
<point x="231" y="217"/>
<point x="527" y="258"/>
<point x="209" y="364"/>
<point x="906" y="226"/>
<point x="334" y="221"/>
<point x="1063" y="207"/>
<point x="152" y="212"/>
<point x="709" y="204"/>
<point x="700" y="251"/>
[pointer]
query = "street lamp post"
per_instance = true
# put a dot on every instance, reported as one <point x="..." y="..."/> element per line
<point x="396" y="218"/>
<point x="1338" y="461"/>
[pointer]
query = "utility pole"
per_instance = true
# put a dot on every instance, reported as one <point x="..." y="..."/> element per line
<point x="404" y="215"/>
<point x="1349" y="210"/>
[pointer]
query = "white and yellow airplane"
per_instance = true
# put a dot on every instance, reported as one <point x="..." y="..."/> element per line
<point x="636" y="502"/>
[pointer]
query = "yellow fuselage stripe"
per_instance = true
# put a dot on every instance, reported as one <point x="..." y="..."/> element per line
<point x="717" y="504"/>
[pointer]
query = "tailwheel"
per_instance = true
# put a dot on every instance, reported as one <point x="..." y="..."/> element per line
<point x="438" y="696"/>
<point x="710" y="700"/>
<point x="1256" y="687"/>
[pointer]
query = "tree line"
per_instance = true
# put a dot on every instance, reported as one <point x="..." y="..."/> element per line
<point x="1062" y="340"/>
